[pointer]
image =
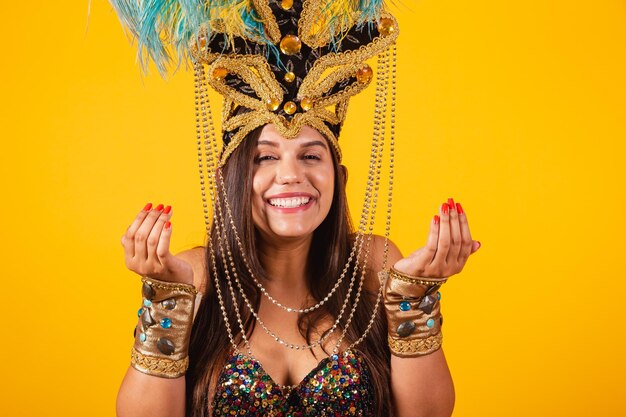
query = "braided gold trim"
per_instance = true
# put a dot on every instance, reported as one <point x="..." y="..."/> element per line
<point x="415" y="347"/>
<point x="289" y="130"/>
<point x="161" y="367"/>
<point x="172" y="286"/>
<point x="393" y="273"/>
<point x="269" y="20"/>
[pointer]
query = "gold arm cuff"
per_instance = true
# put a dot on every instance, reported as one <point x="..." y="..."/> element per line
<point x="415" y="347"/>
<point x="161" y="367"/>
<point x="164" y="328"/>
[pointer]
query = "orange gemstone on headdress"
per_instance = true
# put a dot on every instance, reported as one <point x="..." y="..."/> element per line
<point x="286" y="4"/>
<point x="306" y="104"/>
<point x="364" y="74"/>
<point x="290" y="107"/>
<point x="290" y="44"/>
<point x="202" y="42"/>
<point x="290" y="76"/>
<point x="272" y="104"/>
<point x="219" y="73"/>
<point x="385" y="27"/>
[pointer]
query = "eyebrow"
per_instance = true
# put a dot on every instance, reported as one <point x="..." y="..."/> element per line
<point x="304" y="145"/>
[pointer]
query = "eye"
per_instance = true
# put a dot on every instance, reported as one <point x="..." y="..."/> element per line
<point x="262" y="158"/>
<point x="312" y="157"/>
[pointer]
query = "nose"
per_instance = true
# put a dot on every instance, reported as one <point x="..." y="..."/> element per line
<point x="288" y="170"/>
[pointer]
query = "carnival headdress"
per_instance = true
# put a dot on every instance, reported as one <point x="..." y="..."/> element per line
<point x="290" y="63"/>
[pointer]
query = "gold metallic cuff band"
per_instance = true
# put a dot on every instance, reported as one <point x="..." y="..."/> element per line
<point x="164" y="328"/>
<point x="161" y="367"/>
<point x="415" y="347"/>
<point x="413" y="315"/>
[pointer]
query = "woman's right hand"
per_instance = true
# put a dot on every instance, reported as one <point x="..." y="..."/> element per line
<point x="147" y="247"/>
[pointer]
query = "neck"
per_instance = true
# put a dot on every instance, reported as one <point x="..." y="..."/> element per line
<point x="285" y="262"/>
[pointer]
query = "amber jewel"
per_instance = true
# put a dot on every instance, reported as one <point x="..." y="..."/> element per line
<point x="306" y="103"/>
<point x="364" y="74"/>
<point x="290" y="76"/>
<point x="290" y="44"/>
<point x="219" y="73"/>
<point x="385" y="27"/>
<point x="202" y="42"/>
<point x="290" y="107"/>
<point x="272" y="104"/>
<point x="286" y="4"/>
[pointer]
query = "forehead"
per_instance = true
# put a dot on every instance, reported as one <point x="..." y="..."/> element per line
<point x="308" y="136"/>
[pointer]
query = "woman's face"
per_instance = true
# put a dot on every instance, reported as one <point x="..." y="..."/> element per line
<point x="293" y="183"/>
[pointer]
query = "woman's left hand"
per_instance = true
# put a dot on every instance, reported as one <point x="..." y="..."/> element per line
<point x="448" y="247"/>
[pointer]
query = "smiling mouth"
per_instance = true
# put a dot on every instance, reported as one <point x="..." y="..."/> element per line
<point x="292" y="202"/>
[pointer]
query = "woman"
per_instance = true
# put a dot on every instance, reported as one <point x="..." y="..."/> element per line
<point x="291" y="320"/>
<point x="293" y="250"/>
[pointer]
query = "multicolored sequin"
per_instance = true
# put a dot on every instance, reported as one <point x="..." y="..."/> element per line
<point x="340" y="385"/>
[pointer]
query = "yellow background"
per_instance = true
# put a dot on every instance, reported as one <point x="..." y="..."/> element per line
<point x="516" y="109"/>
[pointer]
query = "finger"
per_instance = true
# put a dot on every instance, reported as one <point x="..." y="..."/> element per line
<point x="163" y="247"/>
<point x="129" y="237"/>
<point x="426" y="254"/>
<point x="142" y="234"/>
<point x="455" y="234"/>
<point x="155" y="235"/>
<point x="466" y="237"/>
<point x="443" y="243"/>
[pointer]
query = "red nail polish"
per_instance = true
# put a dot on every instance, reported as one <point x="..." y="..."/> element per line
<point x="451" y="203"/>
<point x="147" y="207"/>
<point x="159" y="207"/>
<point x="168" y="224"/>
<point x="436" y="219"/>
<point x="459" y="208"/>
<point x="444" y="208"/>
<point x="167" y="209"/>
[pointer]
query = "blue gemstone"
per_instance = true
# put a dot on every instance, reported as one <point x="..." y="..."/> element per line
<point x="334" y="356"/>
<point x="139" y="312"/>
<point x="438" y="295"/>
<point x="142" y="337"/>
<point x="166" y="323"/>
<point x="430" y="322"/>
<point x="405" y="306"/>
<point x="147" y="303"/>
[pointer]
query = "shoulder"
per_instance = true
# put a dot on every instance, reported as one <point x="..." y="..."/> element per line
<point x="197" y="259"/>
<point x="376" y="259"/>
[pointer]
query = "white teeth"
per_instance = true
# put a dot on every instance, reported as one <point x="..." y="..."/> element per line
<point x="289" y="202"/>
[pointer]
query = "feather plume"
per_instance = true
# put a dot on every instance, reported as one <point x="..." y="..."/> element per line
<point x="164" y="29"/>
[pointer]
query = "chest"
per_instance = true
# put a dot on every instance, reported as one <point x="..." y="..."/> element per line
<point x="284" y="365"/>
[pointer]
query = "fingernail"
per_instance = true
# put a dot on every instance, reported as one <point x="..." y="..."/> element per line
<point x="459" y="208"/>
<point x="168" y="224"/>
<point x="479" y="245"/>
<point x="159" y="207"/>
<point x="147" y="207"/>
<point x="444" y="208"/>
<point x="167" y="209"/>
<point x="451" y="203"/>
<point x="436" y="219"/>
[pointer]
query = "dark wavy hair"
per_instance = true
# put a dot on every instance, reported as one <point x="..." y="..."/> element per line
<point x="330" y="250"/>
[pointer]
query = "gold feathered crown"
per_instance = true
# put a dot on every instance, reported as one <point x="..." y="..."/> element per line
<point x="290" y="63"/>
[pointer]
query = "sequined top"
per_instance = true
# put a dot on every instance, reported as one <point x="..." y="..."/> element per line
<point x="340" y="385"/>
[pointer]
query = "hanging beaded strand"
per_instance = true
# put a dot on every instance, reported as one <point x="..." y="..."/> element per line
<point x="203" y="114"/>
<point x="380" y="115"/>
<point x="392" y="131"/>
